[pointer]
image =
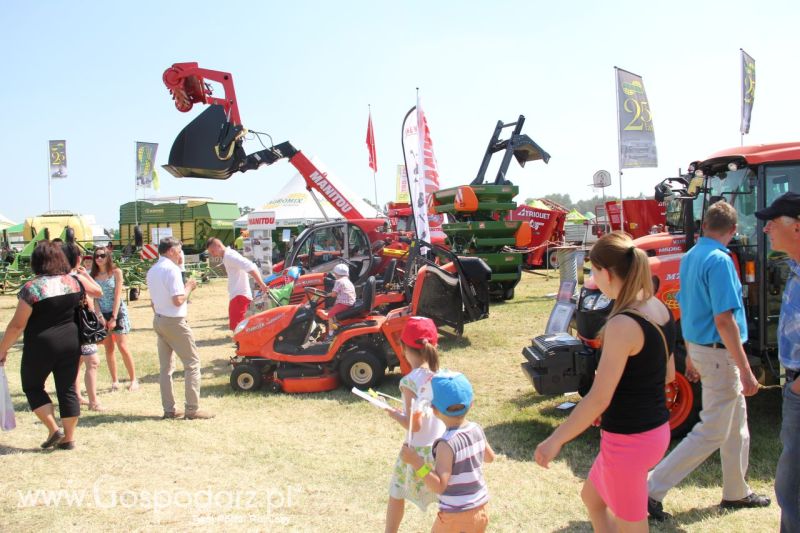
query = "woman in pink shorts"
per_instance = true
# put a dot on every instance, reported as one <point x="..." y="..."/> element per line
<point x="628" y="390"/>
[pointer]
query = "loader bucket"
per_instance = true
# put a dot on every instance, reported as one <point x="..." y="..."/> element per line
<point x="195" y="152"/>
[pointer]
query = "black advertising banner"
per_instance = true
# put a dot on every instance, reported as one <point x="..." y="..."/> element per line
<point x="58" y="159"/>
<point x="637" y="139"/>
<point x="748" y="90"/>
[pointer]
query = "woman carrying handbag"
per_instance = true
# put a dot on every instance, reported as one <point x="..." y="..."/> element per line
<point x="46" y="312"/>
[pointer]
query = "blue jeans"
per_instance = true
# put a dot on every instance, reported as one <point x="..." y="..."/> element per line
<point x="787" y="479"/>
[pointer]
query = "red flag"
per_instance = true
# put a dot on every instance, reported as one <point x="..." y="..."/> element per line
<point x="373" y="158"/>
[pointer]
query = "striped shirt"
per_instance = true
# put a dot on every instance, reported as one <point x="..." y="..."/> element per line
<point x="466" y="488"/>
<point x="789" y="324"/>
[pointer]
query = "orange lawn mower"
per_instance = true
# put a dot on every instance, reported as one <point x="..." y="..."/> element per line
<point x="285" y="349"/>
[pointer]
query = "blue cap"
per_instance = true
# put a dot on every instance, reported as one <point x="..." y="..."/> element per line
<point x="293" y="272"/>
<point x="449" y="389"/>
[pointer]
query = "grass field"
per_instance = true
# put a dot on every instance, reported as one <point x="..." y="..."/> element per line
<point x="321" y="462"/>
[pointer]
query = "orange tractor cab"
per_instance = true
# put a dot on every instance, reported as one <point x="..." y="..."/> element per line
<point x="284" y="347"/>
<point x="749" y="178"/>
<point x="211" y="146"/>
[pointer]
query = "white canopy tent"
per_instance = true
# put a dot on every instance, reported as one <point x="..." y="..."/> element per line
<point x="5" y="222"/>
<point x="293" y="205"/>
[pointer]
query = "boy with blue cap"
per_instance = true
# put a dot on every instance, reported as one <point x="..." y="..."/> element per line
<point x="457" y="475"/>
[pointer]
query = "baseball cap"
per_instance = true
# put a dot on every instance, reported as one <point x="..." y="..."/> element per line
<point x="341" y="270"/>
<point x="418" y="328"/>
<point x="450" y="389"/>
<point x="785" y="205"/>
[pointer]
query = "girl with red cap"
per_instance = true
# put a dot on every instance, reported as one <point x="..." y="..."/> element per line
<point x="419" y="338"/>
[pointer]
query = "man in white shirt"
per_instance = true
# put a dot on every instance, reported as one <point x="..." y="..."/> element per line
<point x="168" y="296"/>
<point x="237" y="268"/>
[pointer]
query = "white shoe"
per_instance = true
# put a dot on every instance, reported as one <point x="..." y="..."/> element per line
<point x="115" y="386"/>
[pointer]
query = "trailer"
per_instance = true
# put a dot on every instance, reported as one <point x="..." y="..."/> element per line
<point x="192" y="222"/>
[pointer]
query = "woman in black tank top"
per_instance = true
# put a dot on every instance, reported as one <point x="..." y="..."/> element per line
<point x="628" y="390"/>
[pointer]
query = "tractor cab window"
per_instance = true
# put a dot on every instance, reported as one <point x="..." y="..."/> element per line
<point x="780" y="179"/>
<point x="320" y="251"/>
<point x="358" y="249"/>
<point x="737" y="188"/>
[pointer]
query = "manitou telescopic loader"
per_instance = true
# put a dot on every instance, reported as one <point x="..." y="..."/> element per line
<point x="211" y="147"/>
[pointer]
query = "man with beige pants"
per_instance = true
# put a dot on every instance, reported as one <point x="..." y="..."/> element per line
<point x="714" y="327"/>
<point x="169" y="294"/>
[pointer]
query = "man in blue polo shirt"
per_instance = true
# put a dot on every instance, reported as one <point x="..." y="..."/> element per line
<point x="714" y="328"/>
<point x="783" y="228"/>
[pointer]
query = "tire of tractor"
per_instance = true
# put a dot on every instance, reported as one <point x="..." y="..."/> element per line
<point x="684" y="398"/>
<point x="70" y="234"/>
<point x="133" y="294"/>
<point x="138" y="237"/>
<point x="508" y="294"/>
<point x="362" y="370"/>
<point x="551" y="260"/>
<point x="246" y="378"/>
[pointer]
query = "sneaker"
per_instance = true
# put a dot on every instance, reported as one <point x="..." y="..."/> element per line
<point x="751" y="500"/>
<point x="171" y="415"/>
<point x="198" y="415"/>
<point x="66" y="445"/>
<point x="656" y="510"/>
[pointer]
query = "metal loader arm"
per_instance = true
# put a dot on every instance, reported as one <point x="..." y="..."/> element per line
<point x="211" y="145"/>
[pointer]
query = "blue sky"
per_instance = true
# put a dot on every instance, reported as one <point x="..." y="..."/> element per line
<point x="90" y="73"/>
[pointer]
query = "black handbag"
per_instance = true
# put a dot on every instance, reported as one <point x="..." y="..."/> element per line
<point x="90" y="329"/>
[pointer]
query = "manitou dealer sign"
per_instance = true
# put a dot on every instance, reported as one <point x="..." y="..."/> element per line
<point x="261" y="220"/>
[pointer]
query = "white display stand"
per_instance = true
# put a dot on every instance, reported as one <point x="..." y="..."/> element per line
<point x="258" y="245"/>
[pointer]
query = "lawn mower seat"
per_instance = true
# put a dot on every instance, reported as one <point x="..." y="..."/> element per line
<point x="363" y="306"/>
<point x="388" y="275"/>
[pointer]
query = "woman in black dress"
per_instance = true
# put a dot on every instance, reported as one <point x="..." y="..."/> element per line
<point x="46" y="313"/>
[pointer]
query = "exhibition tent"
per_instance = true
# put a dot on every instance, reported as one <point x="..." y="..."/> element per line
<point x="293" y="204"/>
<point x="575" y="217"/>
<point x="5" y="222"/>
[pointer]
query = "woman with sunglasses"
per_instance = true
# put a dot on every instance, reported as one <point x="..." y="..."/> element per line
<point x="115" y="313"/>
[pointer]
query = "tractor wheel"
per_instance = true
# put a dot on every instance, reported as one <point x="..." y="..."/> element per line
<point x="246" y="378"/>
<point x="362" y="370"/>
<point x="684" y="398"/>
<point x="508" y="293"/>
<point x="551" y="260"/>
<point x="133" y="294"/>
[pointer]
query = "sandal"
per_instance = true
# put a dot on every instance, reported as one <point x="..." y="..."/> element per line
<point x="54" y="439"/>
<point x="97" y="407"/>
<point x="115" y="386"/>
<point x="134" y="386"/>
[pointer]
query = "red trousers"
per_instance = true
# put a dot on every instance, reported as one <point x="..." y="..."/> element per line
<point x="237" y="308"/>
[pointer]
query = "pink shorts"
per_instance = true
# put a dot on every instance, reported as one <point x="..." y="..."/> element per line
<point x="619" y="473"/>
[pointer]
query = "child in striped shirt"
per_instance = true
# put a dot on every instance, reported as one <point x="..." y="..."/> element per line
<point x="457" y="475"/>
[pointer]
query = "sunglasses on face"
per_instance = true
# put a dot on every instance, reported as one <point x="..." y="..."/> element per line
<point x="100" y="256"/>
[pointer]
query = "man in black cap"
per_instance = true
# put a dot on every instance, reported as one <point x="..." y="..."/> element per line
<point x="783" y="229"/>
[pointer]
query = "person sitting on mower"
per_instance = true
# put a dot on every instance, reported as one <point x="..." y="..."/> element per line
<point x="419" y="340"/>
<point x="345" y="293"/>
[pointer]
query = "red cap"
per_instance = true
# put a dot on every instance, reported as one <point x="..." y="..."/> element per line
<point x="419" y="328"/>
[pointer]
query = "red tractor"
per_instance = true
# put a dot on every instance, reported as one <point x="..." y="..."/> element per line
<point x="749" y="178"/>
